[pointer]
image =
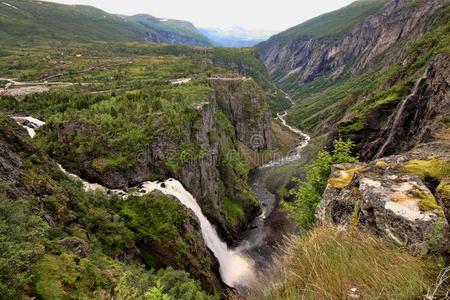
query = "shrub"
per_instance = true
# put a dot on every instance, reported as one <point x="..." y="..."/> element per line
<point x="309" y="193"/>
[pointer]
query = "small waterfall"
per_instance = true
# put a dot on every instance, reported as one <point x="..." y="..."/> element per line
<point x="29" y="123"/>
<point x="235" y="269"/>
<point x="398" y="115"/>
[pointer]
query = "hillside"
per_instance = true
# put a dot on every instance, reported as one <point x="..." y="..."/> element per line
<point x="327" y="24"/>
<point x="374" y="60"/>
<point x="24" y="20"/>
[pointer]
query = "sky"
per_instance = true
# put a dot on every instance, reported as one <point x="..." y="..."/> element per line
<point x="273" y="15"/>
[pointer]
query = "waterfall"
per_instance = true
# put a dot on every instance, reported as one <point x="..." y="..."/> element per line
<point x="235" y="269"/>
<point x="398" y="115"/>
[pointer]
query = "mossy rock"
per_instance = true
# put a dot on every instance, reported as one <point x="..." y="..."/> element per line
<point x="433" y="167"/>
<point x="427" y="201"/>
<point x="344" y="178"/>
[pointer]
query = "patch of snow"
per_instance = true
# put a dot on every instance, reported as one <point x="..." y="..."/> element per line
<point x="12" y="6"/>
<point x="164" y="20"/>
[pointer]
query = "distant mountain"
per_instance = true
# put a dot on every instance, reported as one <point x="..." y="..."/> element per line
<point x="32" y="20"/>
<point x="236" y="36"/>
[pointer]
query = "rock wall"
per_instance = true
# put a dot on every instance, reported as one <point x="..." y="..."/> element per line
<point x="245" y="106"/>
<point x="306" y="58"/>
<point x="417" y="119"/>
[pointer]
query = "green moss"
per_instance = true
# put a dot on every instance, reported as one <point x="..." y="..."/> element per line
<point x="443" y="190"/>
<point x="344" y="178"/>
<point x="427" y="201"/>
<point x="233" y="210"/>
<point x="432" y="167"/>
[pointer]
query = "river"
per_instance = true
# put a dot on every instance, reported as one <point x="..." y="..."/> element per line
<point x="257" y="241"/>
<point x="238" y="264"/>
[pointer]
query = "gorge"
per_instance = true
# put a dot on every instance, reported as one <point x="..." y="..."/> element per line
<point x="314" y="165"/>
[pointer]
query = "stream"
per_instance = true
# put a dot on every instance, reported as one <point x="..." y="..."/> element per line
<point x="239" y="264"/>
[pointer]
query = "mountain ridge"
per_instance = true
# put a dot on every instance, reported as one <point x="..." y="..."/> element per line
<point x="32" y="20"/>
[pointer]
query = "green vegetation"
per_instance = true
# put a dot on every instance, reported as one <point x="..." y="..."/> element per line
<point x="331" y="23"/>
<point x="309" y="194"/>
<point x="329" y="263"/>
<point x="155" y="219"/>
<point x="350" y="101"/>
<point x="233" y="210"/>
<point x="59" y="242"/>
<point x="35" y="21"/>
<point x="166" y="284"/>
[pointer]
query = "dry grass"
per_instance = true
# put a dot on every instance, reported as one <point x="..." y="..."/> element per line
<point x="328" y="263"/>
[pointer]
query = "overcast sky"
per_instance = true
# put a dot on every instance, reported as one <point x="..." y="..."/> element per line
<point x="251" y="14"/>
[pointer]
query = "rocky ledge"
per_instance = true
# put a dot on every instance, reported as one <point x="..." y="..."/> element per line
<point x="401" y="197"/>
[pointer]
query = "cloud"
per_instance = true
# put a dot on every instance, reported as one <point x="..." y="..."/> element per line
<point x="251" y="14"/>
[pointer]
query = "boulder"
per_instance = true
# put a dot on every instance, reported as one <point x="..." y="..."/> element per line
<point x="385" y="198"/>
<point x="77" y="246"/>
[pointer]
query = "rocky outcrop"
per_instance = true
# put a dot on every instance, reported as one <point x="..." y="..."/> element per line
<point x="393" y="197"/>
<point x="305" y="58"/>
<point x="244" y="104"/>
<point x="78" y="246"/>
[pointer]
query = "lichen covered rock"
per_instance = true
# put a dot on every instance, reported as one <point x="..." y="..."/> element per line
<point x="390" y="199"/>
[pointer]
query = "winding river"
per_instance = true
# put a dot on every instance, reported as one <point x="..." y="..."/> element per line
<point x="239" y="264"/>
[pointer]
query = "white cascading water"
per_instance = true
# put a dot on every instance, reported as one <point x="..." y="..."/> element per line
<point x="235" y="269"/>
<point x="29" y="123"/>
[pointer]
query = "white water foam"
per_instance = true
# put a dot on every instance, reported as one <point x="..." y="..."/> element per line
<point x="29" y="123"/>
<point x="235" y="269"/>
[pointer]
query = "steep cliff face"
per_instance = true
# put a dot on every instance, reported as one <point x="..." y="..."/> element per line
<point x="242" y="101"/>
<point x="304" y="58"/>
<point x="419" y="118"/>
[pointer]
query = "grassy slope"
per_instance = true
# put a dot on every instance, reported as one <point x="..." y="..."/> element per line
<point x="35" y="21"/>
<point x="181" y="28"/>
<point x="331" y="23"/>
<point x="327" y="263"/>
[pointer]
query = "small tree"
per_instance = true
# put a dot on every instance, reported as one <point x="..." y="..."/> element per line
<point x="310" y="192"/>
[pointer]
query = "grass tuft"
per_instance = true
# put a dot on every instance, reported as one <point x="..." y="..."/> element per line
<point x="328" y="263"/>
